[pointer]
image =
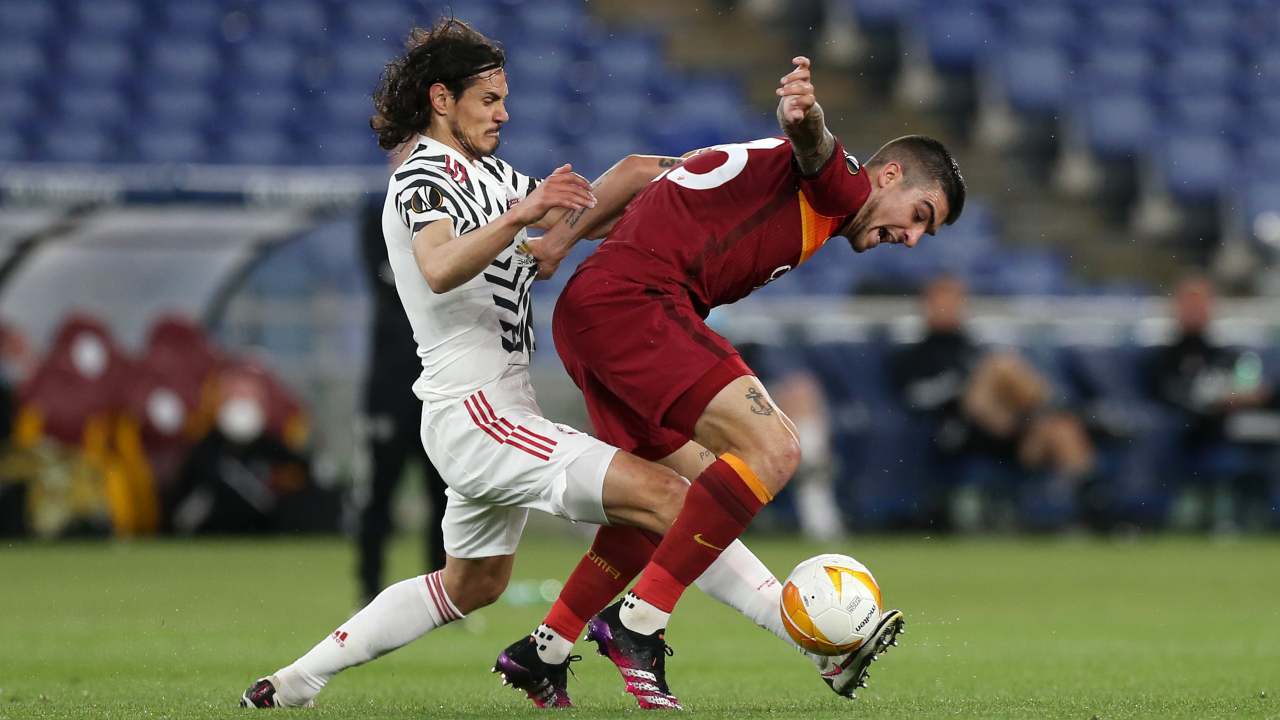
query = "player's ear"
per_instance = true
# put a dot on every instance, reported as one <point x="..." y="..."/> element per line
<point x="440" y="98"/>
<point x="889" y="173"/>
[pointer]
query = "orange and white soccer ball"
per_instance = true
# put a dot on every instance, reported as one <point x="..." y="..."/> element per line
<point x="830" y="604"/>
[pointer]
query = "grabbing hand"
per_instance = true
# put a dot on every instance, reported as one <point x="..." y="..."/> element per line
<point x="796" y="91"/>
<point x="563" y="188"/>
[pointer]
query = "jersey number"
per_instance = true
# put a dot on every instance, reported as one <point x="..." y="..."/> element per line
<point x="723" y="173"/>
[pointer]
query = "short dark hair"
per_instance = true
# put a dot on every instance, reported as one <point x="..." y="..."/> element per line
<point x="923" y="157"/>
<point x="452" y="53"/>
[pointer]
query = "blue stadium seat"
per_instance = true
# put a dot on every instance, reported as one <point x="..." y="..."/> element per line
<point x="1263" y="78"/>
<point x="533" y="150"/>
<point x="186" y="58"/>
<point x="1262" y="157"/>
<point x="297" y="19"/>
<point x="263" y="65"/>
<point x="1206" y="20"/>
<point x="1205" y="110"/>
<point x="1198" y="68"/>
<point x="264" y="109"/>
<point x="387" y="22"/>
<point x="181" y="105"/>
<point x="99" y="62"/>
<point x="29" y="19"/>
<point x="17" y="106"/>
<point x="1036" y="78"/>
<point x="539" y="67"/>
<point x="22" y="63"/>
<point x="603" y="149"/>
<point x="957" y="37"/>
<point x="78" y="143"/>
<point x="1197" y="167"/>
<point x="193" y="18"/>
<point x="1126" y="23"/>
<point x="170" y="145"/>
<point x="92" y="105"/>
<point x="622" y="108"/>
<point x="343" y="109"/>
<point x="13" y="146"/>
<point x="1117" y="125"/>
<point x="108" y="18"/>
<point x="260" y="146"/>
<point x="881" y="14"/>
<point x="629" y="61"/>
<point x="1117" y="68"/>
<point x="343" y="147"/>
<point x="359" y="64"/>
<point x="1049" y="24"/>
<point x="553" y="20"/>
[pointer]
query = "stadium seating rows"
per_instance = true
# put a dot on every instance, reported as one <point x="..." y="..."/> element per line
<point x="289" y="82"/>
<point x="1190" y="89"/>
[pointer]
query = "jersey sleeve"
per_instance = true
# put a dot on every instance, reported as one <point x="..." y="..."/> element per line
<point x="839" y="188"/>
<point x="426" y="193"/>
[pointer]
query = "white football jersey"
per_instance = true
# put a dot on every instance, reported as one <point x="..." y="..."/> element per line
<point x="472" y="334"/>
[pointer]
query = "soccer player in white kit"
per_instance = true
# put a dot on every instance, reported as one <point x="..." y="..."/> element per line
<point x="455" y="224"/>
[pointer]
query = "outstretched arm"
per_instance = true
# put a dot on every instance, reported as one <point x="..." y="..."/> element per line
<point x="800" y="117"/>
<point x="446" y="261"/>
<point x="613" y="190"/>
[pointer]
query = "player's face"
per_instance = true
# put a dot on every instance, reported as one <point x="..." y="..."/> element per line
<point x="896" y="213"/>
<point x="478" y="114"/>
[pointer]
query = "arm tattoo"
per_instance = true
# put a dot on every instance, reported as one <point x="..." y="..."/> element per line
<point x="759" y="405"/>
<point x="576" y="215"/>
<point x="667" y="162"/>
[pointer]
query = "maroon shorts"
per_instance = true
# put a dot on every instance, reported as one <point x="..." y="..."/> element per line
<point x="646" y="363"/>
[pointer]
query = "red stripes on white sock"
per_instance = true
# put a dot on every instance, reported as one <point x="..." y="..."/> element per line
<point x="445" y="608"/>
<point x="504" y="432"/>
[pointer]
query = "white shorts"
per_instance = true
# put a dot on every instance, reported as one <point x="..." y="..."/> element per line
<point x="501" y="458"/>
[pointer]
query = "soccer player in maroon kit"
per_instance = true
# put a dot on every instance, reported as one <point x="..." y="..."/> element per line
<point x="630" y="329"/>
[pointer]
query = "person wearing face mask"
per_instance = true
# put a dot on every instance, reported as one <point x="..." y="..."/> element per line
<point x="235" y="478"/>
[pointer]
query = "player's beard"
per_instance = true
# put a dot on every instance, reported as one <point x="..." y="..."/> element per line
<point x="857" y="228"/>
<point x="468" y="145"/>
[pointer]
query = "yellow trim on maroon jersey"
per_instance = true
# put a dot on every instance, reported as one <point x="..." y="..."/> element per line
<point x="815" y="229"/>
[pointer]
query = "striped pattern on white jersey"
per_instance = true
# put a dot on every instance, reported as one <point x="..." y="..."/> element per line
<point x="432" y="185"/>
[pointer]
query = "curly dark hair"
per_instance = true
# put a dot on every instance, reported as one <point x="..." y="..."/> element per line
<point x="451" y="52"/>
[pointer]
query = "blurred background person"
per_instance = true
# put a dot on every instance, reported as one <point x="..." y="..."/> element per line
<point x="391" y="416"/>
<point x="240" y="476"/>
<point x="992" y="405"/>
<point x="797" y="390"/>
<point x="1226" y="439"/>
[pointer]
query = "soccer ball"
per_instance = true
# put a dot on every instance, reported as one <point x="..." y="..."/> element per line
<point x="830" y="604"/>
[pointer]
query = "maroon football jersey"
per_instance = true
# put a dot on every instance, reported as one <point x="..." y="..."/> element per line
<point x="730" y="220"/>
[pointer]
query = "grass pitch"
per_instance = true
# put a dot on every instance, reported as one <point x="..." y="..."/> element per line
<point x="1173" y="628"/>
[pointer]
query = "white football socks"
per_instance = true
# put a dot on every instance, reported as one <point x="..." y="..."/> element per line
<point x="399" y="615"/>
<point x="639" y="616"/>
<point x="738" y="579"/>
<point x="552" y="649"/>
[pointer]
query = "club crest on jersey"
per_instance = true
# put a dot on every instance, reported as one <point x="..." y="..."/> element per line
<point x="456" y="170"/>
<point x="851" y="164"/>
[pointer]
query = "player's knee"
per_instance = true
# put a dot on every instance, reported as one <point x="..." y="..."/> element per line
<point x="669" y="490"/>
<point x="773" y="459"/>
<point x="477" y="586"/>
